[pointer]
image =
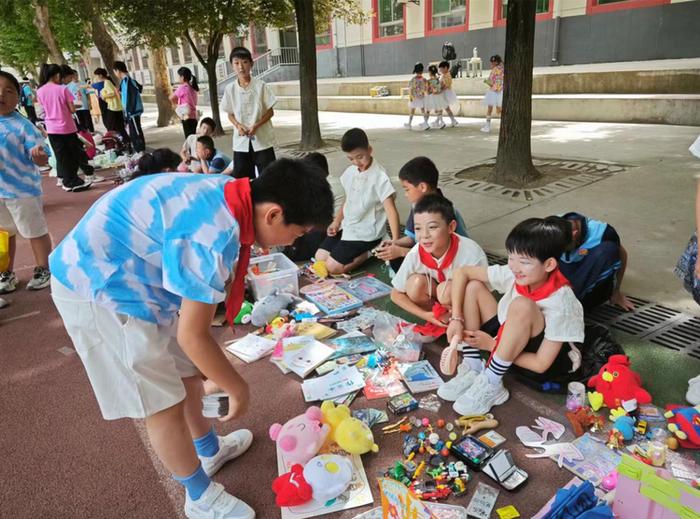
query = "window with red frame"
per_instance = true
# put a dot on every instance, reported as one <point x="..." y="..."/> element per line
<point x="389" y="18"/>
<point x="448" y="13"/>
<point x="542" y="7"/>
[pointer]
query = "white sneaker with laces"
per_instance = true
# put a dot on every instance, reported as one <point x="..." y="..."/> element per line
<point x="230" y="446"/>
<point x="693" y="394"/>
<point x="94" y="179"/>
<point x="8" y="282"/>
<point x="486" y="128"/>
<point x="481" y="397"/>
<point x="407" y="126"/>
<point x="424" y="126"/>
<point x="59" y="182"/>
<point x="441" y="125"/>
<point x="453" y="123"/>
<point x="459" y="384"/>
<point x="216" y="503"/>
<point x="41" y="279"/>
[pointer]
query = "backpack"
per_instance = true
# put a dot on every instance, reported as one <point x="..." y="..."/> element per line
<point x="23" y="99"/>
<point x="454" y="70"/>
<point x="448" y="51"/>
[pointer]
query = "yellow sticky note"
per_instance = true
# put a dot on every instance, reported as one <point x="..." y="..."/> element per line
<point x="508" y="512"/>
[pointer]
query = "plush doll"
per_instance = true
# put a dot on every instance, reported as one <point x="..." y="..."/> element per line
<point x="351" y="434"/>
<point x="684" y="423"/>
<point x="243" y="316"/>
<point x="302" y="436"/>
<point x="329" y="475"/>
<point x="617" y="383"/>
<point x="271" y="306"/>
<point x="291" y="489"/>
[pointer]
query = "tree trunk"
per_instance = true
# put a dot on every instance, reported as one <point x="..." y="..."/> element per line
<point x="103" y="40"/>
<point x="42" y="22"/>
<point x="161" y="82"/>
<point x="310" y="128"/>
<point x="514" y="158"/>
<point x="210" y="65"/>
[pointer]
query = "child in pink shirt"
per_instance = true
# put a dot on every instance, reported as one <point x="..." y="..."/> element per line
<point x="185" y="99"/>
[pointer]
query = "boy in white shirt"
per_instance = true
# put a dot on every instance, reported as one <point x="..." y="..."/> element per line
<point x="188" y="153"/>
<point x="248" y="103"/>
<point x="530" y="331"/>
<point x="426" y="273"/>
<point x="369" y="200"/>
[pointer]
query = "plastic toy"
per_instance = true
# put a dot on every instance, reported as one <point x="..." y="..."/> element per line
<point x="302" y="436"/>
<point x="684" y="423"/>
<point x="610" y="481"/>
<point x="472" y="424"/>
<point x="270" y="306"/>
<point x="618" y="383"/>
<point x="244" y="316"/>
<point x="351" y="434"/>
<point x="329" y="475"/>
<point x="615" y="439"/>
<point x="399" y="473"/>
<point x="291" y="489"/>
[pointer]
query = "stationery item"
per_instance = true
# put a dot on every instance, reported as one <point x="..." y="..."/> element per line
<point x="251" y="347"/>
<point x="366" y="288"/>
<point x="330" y="298"/>
<point x="339" y="382"/>
<point x="352" y="343"/>
<point x="420" y="376"/>
<point x="502" y="469"/>
<point x="317" y="330"/>
<point x="482" y="502"/>
<point x="301" y="354"/>
<point x="492" y="439"/>
<point x="330" y="365"/>
<point x="401" y="404"/>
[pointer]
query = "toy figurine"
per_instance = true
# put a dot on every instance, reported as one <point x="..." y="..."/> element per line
<point x="291" y="489"/>
<point x="615" y="439"/>
<point x="684" y="423"/>
<point x="616" y="382"/>
<point x="244" y="316"/>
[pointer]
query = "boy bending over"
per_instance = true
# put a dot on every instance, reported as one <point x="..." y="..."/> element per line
<point x="537" y="314"/>
<point x="162" y="244"/>
<point x="426" y="273"/>
<point x="369" y="199"/>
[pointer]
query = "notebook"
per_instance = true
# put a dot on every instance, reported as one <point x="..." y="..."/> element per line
<point x="302" y="354"/>
<point x="251" y="347"/>
<point x="420" y="376"/>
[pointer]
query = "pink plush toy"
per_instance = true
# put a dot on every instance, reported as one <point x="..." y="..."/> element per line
<point x="301" y="437"/>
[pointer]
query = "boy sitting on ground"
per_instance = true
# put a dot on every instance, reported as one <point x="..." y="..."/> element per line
<point x="426" y="273"/>
<point x="419" y="177"/>
<point x="369" y="199"/>
<point x="210" y="160"/>
<point x="207" y="126"/>
<point x="138" y="304"/>
<point x="532" y="323"/>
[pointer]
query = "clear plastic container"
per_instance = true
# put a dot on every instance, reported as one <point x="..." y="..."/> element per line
<point x="277" y="271"/>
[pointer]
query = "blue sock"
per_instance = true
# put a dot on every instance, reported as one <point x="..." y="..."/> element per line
<point x="207" y="445"/>
<point x="196" y="483"/>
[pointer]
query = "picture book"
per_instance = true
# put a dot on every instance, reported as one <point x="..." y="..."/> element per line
<point x="338" y="382"/>
<point x="351" y="344"/>
<point x="366" y="288"/>
<point x="420" y="376"/>
<point x="302" y="354"/>
<point x="251" y="347"/>
<point x="317" y="330"/>
<point x="330" y="298"/>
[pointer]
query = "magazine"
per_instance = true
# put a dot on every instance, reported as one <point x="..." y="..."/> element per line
<point x="351" y="344"/>
<point x="420" y="376"/>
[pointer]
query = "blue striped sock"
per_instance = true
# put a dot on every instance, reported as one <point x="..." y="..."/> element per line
<point x="496" y="369"/>
<point x="196" y="483"/>
<point x="207" y="445"/>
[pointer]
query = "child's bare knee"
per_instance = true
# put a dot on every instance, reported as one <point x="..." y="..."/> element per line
<point x="417" y="288"/>
<point x="522" y="307"/>
<point x="474" y="287"/>
<point x="444" y="293"/>
<point x="333" y="266"/>
<point x="321" y="255"/>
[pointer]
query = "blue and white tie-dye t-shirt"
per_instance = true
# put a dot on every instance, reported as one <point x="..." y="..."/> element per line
<point x="19" y="176"/>
<point x="144" y="246"/>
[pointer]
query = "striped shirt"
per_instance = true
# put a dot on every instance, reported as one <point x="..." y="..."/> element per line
<point x="19" y="176"/>
<point x="144" y="246"/>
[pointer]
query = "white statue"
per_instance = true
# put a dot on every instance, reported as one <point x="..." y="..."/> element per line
<point x="475" y="53"/>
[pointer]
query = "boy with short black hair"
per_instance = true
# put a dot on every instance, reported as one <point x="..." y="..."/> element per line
<point x="130" y="91"/>
<point x="188" y="152"/>
<point x="533" y="323"/>
<point x="249" y="104"/>
<point x="210" y="160"/>
<point x="419" y="177"/>
<point x="369" y="200"/>
<point x="426" y="272"/>
<point x="138" y="304"/>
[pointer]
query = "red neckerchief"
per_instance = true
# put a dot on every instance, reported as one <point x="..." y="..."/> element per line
<point x="555" y="281"/>
<point x="239" y="202"/>
<point x="430" y="262"/>
<point x="433" y="330"/>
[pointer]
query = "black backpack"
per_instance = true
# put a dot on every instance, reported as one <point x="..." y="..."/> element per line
<point x="448" y="51"/>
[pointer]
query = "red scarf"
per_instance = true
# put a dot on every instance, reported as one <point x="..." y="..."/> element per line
<point x="554" y="282"/>
<point x="239" y="202"/>
<point x="430" y="262"/>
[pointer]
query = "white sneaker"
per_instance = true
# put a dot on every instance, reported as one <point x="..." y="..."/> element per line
<point x="216" y="503"/>
<point x="94" y="179"/>
<point x="407" y="126"/>
<point x="3" y="303"/>
<point x="486" y="128"/>
<point x="459" y="384"/>
<point x="693" y="394"/>
<point x="453" y="123"/>
<point x="424" y="126"/>
<point x="41" y="279"/>
<point x="230" y="446"/>
<point x="59" y="182"/>
<point x="481" y="397"/>
<point x="440" y="125"/>
<point x="8" y="282"/>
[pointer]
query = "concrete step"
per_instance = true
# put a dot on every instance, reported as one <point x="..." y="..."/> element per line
<point x="672" y="109"/>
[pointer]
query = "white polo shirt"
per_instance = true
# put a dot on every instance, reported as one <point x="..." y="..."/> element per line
<point x="364" y="217"/>
<point x="248" y="105"/>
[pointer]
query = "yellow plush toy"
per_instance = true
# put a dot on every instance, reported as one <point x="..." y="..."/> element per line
<point x="351" y="434"/>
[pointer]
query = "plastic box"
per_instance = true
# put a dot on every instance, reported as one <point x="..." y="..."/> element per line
<point x="283" y="275"/>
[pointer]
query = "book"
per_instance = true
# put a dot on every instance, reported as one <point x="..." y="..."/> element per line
<point x="302" y="354"/>
<point x="383" y="385"/>
<point x="317" y="330"/>
<point x="420" y="376"/>
<point x="351" y="344"/>
<point x="251" y="347"/>
<point x="339" y="382"/>
<point x="330" y="298"/>
<point x="366" y="288"/>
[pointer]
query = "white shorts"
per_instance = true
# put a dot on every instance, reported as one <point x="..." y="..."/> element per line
<point x="23" y="215"/>
<point x="493" y="98"/>
<point x="135" y="367"/>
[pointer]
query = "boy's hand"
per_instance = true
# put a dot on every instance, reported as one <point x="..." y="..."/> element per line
<point x="388" y="251"/>
<point x="333" y="229"/>
<point x="455" y="329"/>
<point x="479" y="340"/>
<point x="39" y="156"/>
<point x="238" y="400"/>
<point x="429" y="317"/>
<point x="242" y="130"/>
<point x="620" y="299"/>
<point x="252" y="130"/>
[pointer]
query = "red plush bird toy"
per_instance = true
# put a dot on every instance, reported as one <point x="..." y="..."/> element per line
<point x="618" y="383"/>
<point x="291" y="488"/>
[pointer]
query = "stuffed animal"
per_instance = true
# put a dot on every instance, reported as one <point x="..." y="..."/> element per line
<point x="291" y="489"/>
<point x="626" y="426"/>
<point x="329" y="476"/>
<point x="684" y="423"/>
<point x="351" y="434"/>
<point x="302" y="436"/>
<point x="618" y="383"/>
<point x="243" y="316"/>
<point x="271" y="306"/>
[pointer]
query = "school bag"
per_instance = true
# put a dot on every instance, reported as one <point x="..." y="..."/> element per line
<point x="115" y="141"/>
<point x="448" y="51"/>
<point x="23" y="99"/>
